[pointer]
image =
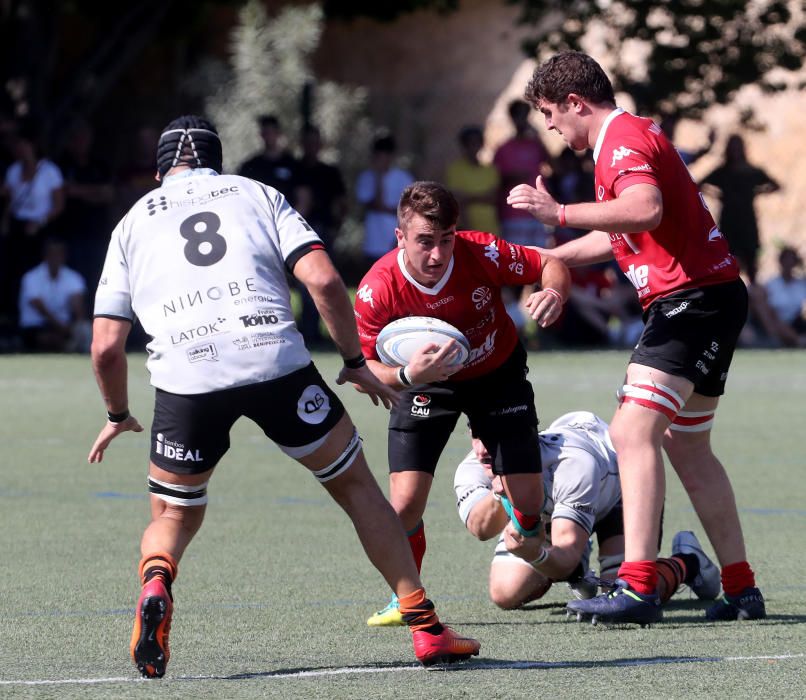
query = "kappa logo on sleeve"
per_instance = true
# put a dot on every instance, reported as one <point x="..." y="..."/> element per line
<point x="619" y="153"/>
<point x="491" y="253"/>
<point x="365" y="295"/>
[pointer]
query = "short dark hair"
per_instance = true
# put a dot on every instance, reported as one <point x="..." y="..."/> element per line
<point x="431" y="200"/>
<point x="567" y="72"/>
<point x="470" y="131"/>
<point x="384" y="143"/>
<point x="265" y="120"/>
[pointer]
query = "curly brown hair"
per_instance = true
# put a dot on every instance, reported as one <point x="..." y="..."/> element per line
<point x="431" y="200"/>
<point x="569" y="72"/>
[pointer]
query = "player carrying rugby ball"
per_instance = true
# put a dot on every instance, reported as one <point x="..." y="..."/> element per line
<point x="457" y="276"/>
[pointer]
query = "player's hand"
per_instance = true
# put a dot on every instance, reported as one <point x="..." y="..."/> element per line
<point x="365" y="382"/>
<point x="108" y="433"/>
<point x="434" y="363"/>
<point x="527" y="548"/>
<point x="535" y="200"/>
<point x="544" y="307"/>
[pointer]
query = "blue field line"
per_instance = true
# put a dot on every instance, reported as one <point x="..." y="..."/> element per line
<point x="800" y="512"/>
<point x="481" y="665"/>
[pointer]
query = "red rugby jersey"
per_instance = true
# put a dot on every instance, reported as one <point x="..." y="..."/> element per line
<point x="687" y="249"/>
<point x="468" y="296"/>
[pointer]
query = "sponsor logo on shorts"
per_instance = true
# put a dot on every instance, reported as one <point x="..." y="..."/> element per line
<point x="313" y="405"/>
<point x="600" y="193"/>
<point x="481" y="296"/>
<point x="702" y="367"/>
<point x="619" y="153"/>
<point x="440" y="302"/>
<point x="202" y="353"/>
<point x="491" y="253"/>
<point x="470" y="491"/>
<point x="176" y="450"/>
<point x="583" y="508"/>
<point x="419" y="405"/>
<point x="509" y="410"/>
<point x="677" y="309"/>
<point x="365" y="295"/>
<point x="203" y="331"/>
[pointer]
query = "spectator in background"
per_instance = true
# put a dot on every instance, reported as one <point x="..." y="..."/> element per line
<point x="669" y="126"/>
<point x="737" y="183"/>
<point x="89" y="193"/>
<point x="52" y="301"/>
<point x="137" y="177"/>
<point x="274" y="165"/>
<point x="378" y="190"/>
<point x="474" y="184"/>
<point x="519" y="161"/>
<point x="778" y="307"/>
<point x="34" y="188"/>
<point x="321" y="199"/>
<point x="571" y="181"/>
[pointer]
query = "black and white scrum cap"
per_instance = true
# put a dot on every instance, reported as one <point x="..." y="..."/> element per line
<point x="189" y="140"/>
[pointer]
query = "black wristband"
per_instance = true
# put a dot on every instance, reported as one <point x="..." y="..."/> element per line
<point x="402" y="377"/>
<point x="117" y="417"/>
<point x="356" y="362"/>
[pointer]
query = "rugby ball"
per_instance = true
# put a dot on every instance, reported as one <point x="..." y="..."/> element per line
<point x="398" y="340"/>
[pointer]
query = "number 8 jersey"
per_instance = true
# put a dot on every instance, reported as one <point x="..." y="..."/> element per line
<point x="202" y="263"/>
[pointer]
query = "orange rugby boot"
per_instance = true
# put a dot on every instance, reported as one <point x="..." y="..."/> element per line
<point x="152" y="625"/>
<point x="443" y="648"/>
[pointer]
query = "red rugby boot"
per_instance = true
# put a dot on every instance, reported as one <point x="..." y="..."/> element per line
<point x="152" y="625"/>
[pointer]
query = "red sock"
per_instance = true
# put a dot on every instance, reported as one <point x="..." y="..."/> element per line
<point x="418" y="612"/>
<point x="672" y="572"/>
<point x="736" y="577"/>
<point x="417" y="544"/>
<point x="641" y="575"/>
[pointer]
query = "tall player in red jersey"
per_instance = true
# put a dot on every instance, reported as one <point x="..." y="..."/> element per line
<point x="457" y="276"/>
<point x="650" y="216"/>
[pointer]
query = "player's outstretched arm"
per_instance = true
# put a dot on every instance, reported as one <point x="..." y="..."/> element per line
<point x="316" y="272"/>
<point x="108" y="354"/>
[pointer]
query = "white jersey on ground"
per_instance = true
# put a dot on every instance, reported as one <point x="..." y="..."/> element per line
<point x="580" y="472"/>
<point x="201" y="262"/>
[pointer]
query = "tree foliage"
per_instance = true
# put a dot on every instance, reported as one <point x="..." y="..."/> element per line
<point x="691" y="53"/>
<point x="268" y="72"/>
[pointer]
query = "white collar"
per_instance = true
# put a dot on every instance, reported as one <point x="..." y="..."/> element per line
<point x="190" y="172"/>
<point x="610" y="117"/>
<point x="433" y="291"/>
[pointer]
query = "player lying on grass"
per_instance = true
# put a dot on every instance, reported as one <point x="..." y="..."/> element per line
<point x="583" y="496"/>
<point x="202" y="262"/>
<point x="457" y="277"/>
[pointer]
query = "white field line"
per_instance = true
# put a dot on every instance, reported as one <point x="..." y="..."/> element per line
<point x="470" y="666"/>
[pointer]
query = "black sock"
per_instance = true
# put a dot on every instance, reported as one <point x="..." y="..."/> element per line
<point x="692" y="566"/>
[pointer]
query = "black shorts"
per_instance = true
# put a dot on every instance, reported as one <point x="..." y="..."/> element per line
<point x="693" y="334"/>
<point x="500" y="407"/>
<point x="190" y="432"/>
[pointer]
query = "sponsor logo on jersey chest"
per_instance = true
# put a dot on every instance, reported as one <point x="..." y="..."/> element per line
<point x="202" y="353"/>
<point x="481" y="296"/>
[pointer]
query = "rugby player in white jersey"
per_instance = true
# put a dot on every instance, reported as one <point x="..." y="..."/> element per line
<point x="201" y="262"/>
<point x="583" y="496"/>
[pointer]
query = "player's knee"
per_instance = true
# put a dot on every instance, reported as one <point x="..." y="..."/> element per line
<point x="504" y="595"/>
